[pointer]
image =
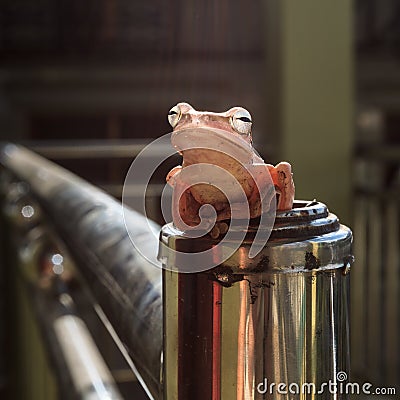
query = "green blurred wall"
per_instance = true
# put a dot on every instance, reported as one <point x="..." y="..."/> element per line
<point x="310" y="89"/>
<point x="32" y="377"/>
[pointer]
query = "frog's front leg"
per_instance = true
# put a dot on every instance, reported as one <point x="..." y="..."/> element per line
<point x="263" y="190"/>
<point x="173" y="175"/>
<point x="185" y="208"/>
<point x="283" y="180"/>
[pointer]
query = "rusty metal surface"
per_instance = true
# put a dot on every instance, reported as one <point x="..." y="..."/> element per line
<point x="295" y="243"/>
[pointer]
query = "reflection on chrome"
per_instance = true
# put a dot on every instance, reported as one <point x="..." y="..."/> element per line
<point x="28" y="211"/>
<point x="281" y="316"/>
<point x="57" y="259"/>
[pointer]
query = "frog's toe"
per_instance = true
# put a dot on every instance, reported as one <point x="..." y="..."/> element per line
<point x="214" y="233"/>
<point x="173" y="175"/>
<point x="223" y="227"/>
<point x="220" y="228"/>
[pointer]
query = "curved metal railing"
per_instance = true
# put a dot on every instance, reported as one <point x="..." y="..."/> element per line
<point x="124" y="287"/>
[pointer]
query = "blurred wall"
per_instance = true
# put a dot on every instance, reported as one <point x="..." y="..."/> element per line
<point x="311" y="51"/>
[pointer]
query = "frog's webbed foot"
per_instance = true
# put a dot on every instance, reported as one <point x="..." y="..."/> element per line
<point x="220" y="228"/>
<point x="283" y="180"/>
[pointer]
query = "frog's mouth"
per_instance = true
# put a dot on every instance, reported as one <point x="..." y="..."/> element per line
<point x="213" y="139"/>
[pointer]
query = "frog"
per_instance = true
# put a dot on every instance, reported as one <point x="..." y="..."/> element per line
<point x="223" y="139"/>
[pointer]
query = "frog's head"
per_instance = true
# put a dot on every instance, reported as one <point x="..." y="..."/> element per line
<point x="236" y="121"/>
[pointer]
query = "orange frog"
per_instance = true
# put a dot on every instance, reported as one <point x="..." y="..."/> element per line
<point x="224" y="140"/>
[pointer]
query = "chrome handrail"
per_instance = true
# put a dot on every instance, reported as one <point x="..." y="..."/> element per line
<point x="89" y="149"/>
<point x="91" y="224"/>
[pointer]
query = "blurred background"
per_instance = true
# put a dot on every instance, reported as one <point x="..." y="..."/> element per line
<point x="88" y="83"/>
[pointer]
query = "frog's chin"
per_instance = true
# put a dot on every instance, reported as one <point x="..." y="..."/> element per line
<point x="213" y="139"/>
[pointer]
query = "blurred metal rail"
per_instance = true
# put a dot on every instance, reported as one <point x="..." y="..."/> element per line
<point x="126" y="288"/>
<point x="115" y="152"/>
<point x="89" y="149"/>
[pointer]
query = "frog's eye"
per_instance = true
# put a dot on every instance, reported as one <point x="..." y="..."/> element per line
<point x="174" y="115"/>
<point x="241" y="122"/>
